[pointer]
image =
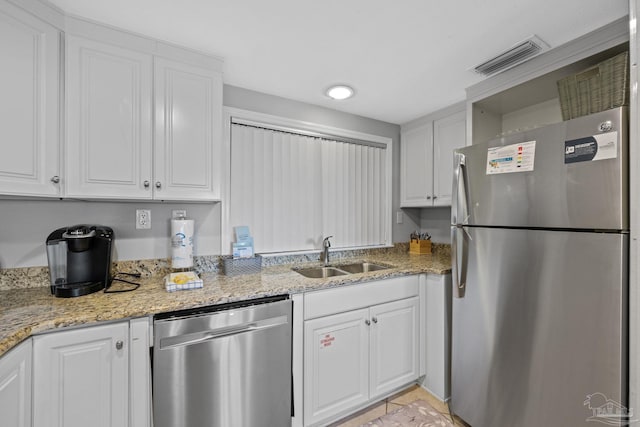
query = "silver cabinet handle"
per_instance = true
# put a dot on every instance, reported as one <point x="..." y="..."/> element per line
<point x="375" y="319"/>
<point x="146" y="184"/>
<point x="158" y="184"/>
<point x="119" y="345"/>
<point x="55" y="179"/>
<point x="367" y="322"/>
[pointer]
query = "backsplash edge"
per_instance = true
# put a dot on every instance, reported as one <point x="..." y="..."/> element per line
<point x="34" y="277"/>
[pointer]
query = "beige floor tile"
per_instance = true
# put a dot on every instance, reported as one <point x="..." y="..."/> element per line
<point x="394" y="402"/>
<point x="362" y="417"/>
<point x="393" y="406"/>
<point x="409" y="395"/>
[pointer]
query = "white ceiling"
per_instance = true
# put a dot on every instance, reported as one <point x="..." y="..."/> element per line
<point x="404" y="58"/>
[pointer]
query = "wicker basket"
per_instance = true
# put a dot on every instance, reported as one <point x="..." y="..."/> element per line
<point x="235" y="266"/>
<point x="598" y="88"/>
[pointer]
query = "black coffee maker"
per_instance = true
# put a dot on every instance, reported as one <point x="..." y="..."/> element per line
<point x="79" y="259"/>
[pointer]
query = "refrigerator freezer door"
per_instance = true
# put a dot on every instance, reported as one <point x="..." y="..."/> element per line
<point x="541" y="326"/>
<point x="560" y="188"/>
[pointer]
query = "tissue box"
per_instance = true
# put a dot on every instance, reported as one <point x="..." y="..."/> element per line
<point x="420" y="247"/>
<point x="181" y="281"/>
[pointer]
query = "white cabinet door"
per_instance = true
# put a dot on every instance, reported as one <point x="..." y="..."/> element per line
<point x="394" y="345"/>
<point x="81" y="377"/>
<point x="188" y="111"/>
<point x="336" y="367"/>
<point x="449" y="133"/>
<point x="416" y="162"/>
<point x="29" y="105"/>
<point x="437" y="331"/>
<point x="15" y="386"/>
<point x="109" y="127"/>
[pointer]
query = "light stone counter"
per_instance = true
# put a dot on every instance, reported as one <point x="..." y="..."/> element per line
<point x="26" y="311"/>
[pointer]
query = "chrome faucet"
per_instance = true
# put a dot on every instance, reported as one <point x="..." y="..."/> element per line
<point x="326" y="244"/>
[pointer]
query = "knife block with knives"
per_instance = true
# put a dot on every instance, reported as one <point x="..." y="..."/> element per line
<point x="420" y="243"/>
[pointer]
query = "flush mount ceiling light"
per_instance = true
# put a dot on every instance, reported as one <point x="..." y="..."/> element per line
<point x="340" y="92"/>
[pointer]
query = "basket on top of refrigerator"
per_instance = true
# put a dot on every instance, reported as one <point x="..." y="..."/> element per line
<point x="598" y="88"/>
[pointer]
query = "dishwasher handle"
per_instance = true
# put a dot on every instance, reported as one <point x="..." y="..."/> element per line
<point x="201" y="337"/>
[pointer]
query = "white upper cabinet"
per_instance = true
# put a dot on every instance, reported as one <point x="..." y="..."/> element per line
<point x="144" y="119"/>
<point x="426" y="156"/>
<point x="416" y="157"/>
<point x="188" y="112"/>
<point x="449" y="133"/>
<point x="109" y="125"/>
<point x="30" y="104"/>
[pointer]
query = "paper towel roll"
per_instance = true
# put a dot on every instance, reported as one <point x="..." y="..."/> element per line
<point x="181" y="243"/>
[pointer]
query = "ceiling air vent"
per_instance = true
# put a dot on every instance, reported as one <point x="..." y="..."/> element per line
<point x="516" y="55"/>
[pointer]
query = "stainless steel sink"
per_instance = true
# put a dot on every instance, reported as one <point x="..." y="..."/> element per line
<point x="361" y="267"/>
<point x="339" y="270"/>
<point x="319" y="272"/>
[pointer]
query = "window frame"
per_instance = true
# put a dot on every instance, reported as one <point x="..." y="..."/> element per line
<point x="230" y="113"/>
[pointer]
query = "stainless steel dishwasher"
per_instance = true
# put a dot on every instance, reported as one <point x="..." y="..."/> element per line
<point x="224" y="366"/>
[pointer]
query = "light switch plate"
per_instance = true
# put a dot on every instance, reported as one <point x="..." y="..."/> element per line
<point x="178" y="213"/>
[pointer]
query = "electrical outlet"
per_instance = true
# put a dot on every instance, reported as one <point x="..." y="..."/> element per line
<point x="143" y="219"/>
<point x="178" y="213"/>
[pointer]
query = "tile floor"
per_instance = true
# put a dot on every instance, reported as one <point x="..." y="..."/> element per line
<point x="394" y="402"/>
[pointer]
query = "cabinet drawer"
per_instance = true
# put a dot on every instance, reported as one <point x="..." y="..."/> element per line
<point x="352" y="297"/>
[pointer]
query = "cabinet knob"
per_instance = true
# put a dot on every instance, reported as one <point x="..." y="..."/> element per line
<point x="367" y="322"/>
<point x="146" y="184"/>
<point x="435" y="197"/>
<point x="55" y="179"/>
<point x="375" y="319"/>
<point x="119" y="345"/>
<point x="158" y="185"/>
<point x="428" y="197"/>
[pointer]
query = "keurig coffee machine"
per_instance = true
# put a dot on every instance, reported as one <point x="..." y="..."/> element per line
<point x="79" y="259"/>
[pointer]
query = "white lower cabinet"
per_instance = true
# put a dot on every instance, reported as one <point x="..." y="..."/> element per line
<point x="81" y="377"/>
<point x="366" y="350"/>
<point x="15" y="386"/>
<point x="336" y="364"/>
<point x="394" y="346"/>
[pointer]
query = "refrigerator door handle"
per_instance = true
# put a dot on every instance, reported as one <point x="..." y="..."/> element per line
<point x="459" y="263"/>
<point x="459" y="201"/>
<point x="459" y="266"/>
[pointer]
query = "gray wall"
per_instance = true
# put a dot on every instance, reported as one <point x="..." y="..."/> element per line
<point x="437" y="221"/>
<point x="26" y="223"/>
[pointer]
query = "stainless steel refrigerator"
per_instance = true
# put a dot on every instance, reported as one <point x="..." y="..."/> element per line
<point x="540" y="276"/>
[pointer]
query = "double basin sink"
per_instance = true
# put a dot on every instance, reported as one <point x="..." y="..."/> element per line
<point x="339" y="270"/>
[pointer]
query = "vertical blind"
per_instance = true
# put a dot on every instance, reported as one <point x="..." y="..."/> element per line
<point x="293" y="190"/>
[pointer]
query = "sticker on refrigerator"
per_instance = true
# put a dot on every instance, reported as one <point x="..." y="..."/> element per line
<point x="511" y="158"/>
<point x="591" y="148"/>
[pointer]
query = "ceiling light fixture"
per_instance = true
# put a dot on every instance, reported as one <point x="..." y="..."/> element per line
<point x="340" y="92"/>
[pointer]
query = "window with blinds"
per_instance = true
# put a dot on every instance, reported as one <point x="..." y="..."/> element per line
<point x="293" y="189"/>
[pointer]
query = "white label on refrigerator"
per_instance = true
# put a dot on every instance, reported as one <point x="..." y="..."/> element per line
<point x="511" y="158"/>
<point x="591" y="148"/>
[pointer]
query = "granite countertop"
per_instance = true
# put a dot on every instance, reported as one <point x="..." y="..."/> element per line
<point x="28" y="311"/>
